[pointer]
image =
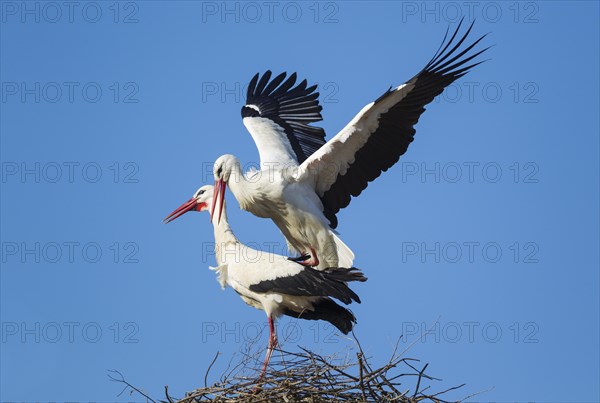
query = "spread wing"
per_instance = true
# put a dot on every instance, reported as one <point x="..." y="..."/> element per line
<point x="381" y="132"/>
<point x="278" y="116"/>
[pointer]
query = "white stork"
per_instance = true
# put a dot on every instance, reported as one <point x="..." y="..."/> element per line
<point x="272" y="282"/>
<point x="304" y="181"/>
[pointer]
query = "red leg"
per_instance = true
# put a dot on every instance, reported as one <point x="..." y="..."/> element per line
<point x="272" y="344"/>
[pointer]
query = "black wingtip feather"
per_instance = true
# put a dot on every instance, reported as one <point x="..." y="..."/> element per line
<point x="252" y="85"/>
<point x="450" y="58"/>
<point x="262" y="82"/>
<point x="274" y="83"/>
<point x="436" y="57"/>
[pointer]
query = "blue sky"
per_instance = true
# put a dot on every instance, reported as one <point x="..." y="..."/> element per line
<point x="485" y="232"/>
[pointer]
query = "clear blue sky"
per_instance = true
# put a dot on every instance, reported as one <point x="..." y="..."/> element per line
<point x="112" y="114"/>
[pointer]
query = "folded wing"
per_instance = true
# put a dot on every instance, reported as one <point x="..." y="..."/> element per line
<point x="309" y="282"/>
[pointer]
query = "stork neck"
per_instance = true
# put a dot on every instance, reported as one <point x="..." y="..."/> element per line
<point x="225" y="239"/>
<point x="237" y="183"/>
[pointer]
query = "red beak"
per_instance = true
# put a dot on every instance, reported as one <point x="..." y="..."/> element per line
<point x="220" y="186"/>
<point x="189" y="205"/>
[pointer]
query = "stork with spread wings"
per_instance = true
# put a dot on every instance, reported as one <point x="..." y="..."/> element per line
<point x="304" y="181"/>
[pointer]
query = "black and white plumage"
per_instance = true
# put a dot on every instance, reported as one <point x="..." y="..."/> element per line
<point x="291" y="108"/>
<point x="380" y="134"/>
<point x="273" y="282"/>
<point x="303" y="197"/>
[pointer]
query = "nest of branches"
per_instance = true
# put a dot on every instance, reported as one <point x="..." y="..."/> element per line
<point x="306" y="376"/>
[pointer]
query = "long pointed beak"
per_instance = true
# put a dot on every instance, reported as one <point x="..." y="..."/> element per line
<point x="189" y="205"/>
<point x="220" y="186"/>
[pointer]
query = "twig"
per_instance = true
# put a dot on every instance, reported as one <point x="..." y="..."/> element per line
<point x="167" y="394"/>
<point x="127" y="385"/>
<point x="362" y="386"/>
<point x="209" y="367"/>
<point x="419" y="380"/>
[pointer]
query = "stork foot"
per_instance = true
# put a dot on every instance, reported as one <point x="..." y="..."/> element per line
<point x="299" y="258"/>
<point x="311" y="260"/>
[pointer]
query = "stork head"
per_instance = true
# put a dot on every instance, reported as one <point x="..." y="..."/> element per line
<point x="201" y="201"/>
<point x="225" y="166"/>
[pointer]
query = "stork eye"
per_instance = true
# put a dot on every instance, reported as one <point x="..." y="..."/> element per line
<point x="219" y="170"/>
<point x="200" y="192"/>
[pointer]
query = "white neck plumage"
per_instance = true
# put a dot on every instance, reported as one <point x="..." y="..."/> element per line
<point x="240" y="186"/>
<point x="226" y="243"/>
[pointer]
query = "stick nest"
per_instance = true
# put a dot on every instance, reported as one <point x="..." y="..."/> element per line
<point x="306" y="376"/>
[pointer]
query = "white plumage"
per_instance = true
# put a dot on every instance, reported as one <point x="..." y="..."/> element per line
<point x="272" y="282"/>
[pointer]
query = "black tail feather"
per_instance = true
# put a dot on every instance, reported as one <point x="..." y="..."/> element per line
<point x="326" y="309"/>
